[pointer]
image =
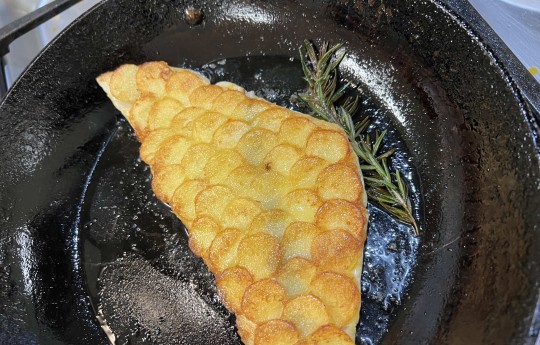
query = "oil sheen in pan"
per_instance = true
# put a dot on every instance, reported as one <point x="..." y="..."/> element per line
<point x="141" y="275"/>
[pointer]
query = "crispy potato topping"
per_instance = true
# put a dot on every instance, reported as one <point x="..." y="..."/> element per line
<point x="273" y="199"/>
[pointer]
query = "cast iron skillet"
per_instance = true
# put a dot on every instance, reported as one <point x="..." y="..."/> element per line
<point x="83" y="241"/>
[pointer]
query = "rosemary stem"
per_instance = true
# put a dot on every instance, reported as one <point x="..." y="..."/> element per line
<point x="324" y="97"/>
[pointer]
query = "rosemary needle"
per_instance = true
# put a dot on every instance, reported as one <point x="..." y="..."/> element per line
<point x="326" y="100"/>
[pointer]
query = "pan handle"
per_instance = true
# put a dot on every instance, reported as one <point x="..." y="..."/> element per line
<point x="24" y="24"/>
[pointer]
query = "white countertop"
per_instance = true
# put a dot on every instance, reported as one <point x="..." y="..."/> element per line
<point x="517" y="22"/>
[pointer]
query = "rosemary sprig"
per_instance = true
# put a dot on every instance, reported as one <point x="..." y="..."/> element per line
<point x="326" y="99"/>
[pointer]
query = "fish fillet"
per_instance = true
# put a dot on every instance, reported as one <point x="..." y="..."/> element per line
<point x="273" y="200"/>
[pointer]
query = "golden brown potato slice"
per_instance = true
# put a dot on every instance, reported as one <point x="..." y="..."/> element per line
<point x="272" y="199"/>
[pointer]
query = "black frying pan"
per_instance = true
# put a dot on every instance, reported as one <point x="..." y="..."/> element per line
<point x="85" y="246"/>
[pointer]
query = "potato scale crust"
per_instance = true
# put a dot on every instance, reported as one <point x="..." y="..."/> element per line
<point x="273" y="200"/>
